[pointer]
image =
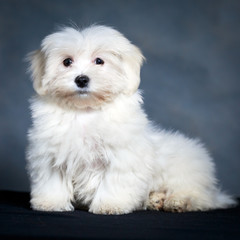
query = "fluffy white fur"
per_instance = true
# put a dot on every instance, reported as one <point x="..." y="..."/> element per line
<point x="96" y="148"/>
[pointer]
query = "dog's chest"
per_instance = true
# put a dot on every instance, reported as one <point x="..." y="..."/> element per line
<point x="73" y="143"/>
<point x="80" y="141"/>
<point x="87" y="160"/>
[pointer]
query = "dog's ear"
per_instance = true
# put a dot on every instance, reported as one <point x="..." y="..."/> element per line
<point x="132" y="62"/>
<point x="37" y="70"/>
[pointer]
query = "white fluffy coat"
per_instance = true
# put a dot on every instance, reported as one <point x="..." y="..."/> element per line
<point x="98" y="149"/>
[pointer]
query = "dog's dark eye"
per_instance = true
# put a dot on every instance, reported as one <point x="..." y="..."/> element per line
<point x="67" y="62"/>
<point x="99" y="61"/>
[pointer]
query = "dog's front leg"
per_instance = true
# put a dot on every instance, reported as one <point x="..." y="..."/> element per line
<point x="50" y="191"/>
<point x="124" y="187"/>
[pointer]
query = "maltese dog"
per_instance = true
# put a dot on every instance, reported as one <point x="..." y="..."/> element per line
<point x="91" y="144"/>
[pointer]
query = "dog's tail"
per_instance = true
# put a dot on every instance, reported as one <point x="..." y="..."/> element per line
<point x="225" y="201"/>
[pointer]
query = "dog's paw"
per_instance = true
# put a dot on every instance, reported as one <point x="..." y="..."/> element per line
<point x="155" y="200"/>
<point x="177" y="204"/>
<point x="106" y="209"/>
<point x="50" y="206"/>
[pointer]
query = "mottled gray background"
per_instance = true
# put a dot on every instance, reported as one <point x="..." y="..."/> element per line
<point x="190" y="79"/>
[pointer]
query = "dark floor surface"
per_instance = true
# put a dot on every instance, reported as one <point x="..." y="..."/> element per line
<point x="18" y="221"/>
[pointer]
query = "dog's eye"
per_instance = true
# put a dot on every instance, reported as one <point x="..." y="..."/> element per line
<point x="67" y="62"/>
<point x="99" y="61"/>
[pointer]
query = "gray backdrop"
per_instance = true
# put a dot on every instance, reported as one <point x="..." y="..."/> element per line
<point x="190" y="79"/>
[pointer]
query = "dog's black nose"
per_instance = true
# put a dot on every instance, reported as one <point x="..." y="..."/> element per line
<point x="82" y="81"/>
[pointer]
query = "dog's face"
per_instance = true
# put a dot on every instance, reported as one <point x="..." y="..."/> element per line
<point x="86" y="68"/>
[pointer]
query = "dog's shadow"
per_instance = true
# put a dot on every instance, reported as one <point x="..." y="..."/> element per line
<point x="21" y="200"/>
<point x="15" y="199"/>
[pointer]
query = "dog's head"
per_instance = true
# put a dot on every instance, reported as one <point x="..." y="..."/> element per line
<point x="86" y="68"/>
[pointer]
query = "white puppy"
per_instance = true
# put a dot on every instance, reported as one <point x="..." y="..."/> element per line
<point x="91" y="143"/>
